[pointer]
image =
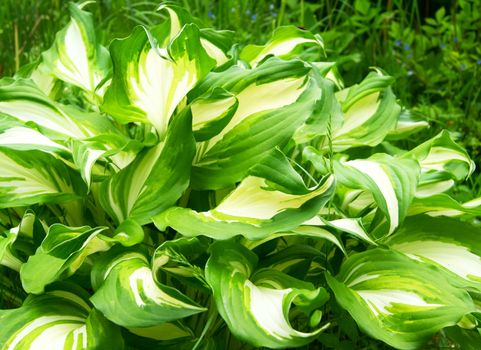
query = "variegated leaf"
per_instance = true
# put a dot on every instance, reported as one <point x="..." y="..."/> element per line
<point x="286" y="43"/>
<point x="212" y="113"/>
<point x="23" y="138"/>
<point x="450" y="244"/>
<point x="256" y="308"/>
<point x="155" y="180"/>
<point x="67" y="131"/>
<point x="274" y="100"/>
<point x="370" y="113"/>
<point x="442" y="162"/>
<point x="178" y="258"/>
<point x="216" y="43"/>
<point x="29" y="177"/>
<point x="76" y="57"/>
<point x="61" y="253"/>
<point x="325" y="118"/>
<point x="151" y="80"/>
<point x="124" y="277"/>
<point x="407" y="124"/>
<point x="22" y="100"/>
<point x="19" y="241"/>
<point x="351" y="226"/>
<point x="59" y="319"/>
<point x="304" y="231"/>
<point x="391" y="181"/>
<point x="397" y="300"/>
<point x="273" y="199"/>
<point x="444" y="205"/>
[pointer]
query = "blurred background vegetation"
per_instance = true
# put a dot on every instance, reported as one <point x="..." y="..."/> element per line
<point x="432" y="48"/>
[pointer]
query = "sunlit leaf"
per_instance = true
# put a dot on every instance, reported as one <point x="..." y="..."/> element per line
<point x="256" y="311"/>
<point x="76" y="57"/>
<point x="62" y="318"/>
<point x="124" y="277"/>
<point x="397" y="300"/>
<point x="273" y="199"/>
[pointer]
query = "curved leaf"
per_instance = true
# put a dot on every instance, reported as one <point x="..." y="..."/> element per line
<point x="397" y="300"/>
<point x="124" y="277"/>
<point x="391" y="181"/>
<point x="274" y="100"/>
<point x="370" y="113"/>
<point x="448" y="243"/>
<point x="19" y="241"/>
<point x="76" y="57"/>
<point x="257" y="313"/>
<point x="60" y="255"/>
<point x="216" y="43"/>
<point x="275" y="200"/>
<point x="59" y="319"/>
<point x="286" y="43"/>
<point x="149" y="80"/>
<point x="407" y="124"/>
<point x="29" y="177"/>
<point x="155" y="180"/>
<point x="444" y="205"/>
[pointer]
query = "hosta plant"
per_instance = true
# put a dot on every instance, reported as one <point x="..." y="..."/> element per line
<point x="178" y="191"/>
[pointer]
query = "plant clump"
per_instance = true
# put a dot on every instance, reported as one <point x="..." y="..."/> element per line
<point x="179" y="191"/>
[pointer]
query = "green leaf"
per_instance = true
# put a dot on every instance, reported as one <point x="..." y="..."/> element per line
<point x="29" y="177"/>
<point x="178" y="257"/>
<point x="370" y="113"/>
<point x="155" y="180"/>
<point x="391" y="181"/>
<point x="216" y="43"/>
<point x="18" y="241"/>
<point x="441" y="159"/>
<point x="257" y="311"/>
<point x="406" y="125"/>
<point x="464" y="338"/>
<point x="61" y="253"/>
<point x="59" y="319"/>
<point x="150" y="81"/>
<point x="168" y="331"/>
<point x="448" y="243"/>
<point x="286" y="43"/>
<point x="444" y="205"/>
<point x="274" y="99"/>
<point x="76" y="57"/>
<point x="397" y="300"/>
<point x="124" y="277"/>
<point x="128" y="233"/>
<point x="24" y="102"/>
<point x="273" y="201"/>
<point x="326" y="116"/>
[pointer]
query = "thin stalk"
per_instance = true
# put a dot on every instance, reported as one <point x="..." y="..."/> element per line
<point x="211" y="319"/>
<point x="17" y="48"/>
<point x="302" y="14"/>
<point x="282" y="11"/>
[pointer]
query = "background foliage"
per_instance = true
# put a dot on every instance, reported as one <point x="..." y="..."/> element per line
<point x="432" y="48"/>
